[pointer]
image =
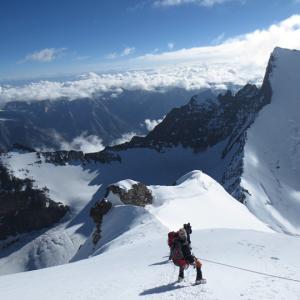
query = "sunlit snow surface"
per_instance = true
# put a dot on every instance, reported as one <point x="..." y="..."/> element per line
<point x="130" y="261"/>
<point x="136" y="267"/>
<point x="80" y="186"/>
<point x="272" y="151"/>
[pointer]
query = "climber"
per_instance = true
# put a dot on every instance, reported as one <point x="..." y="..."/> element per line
<point x="182" y="257"/>
<point x="172" y="235"/>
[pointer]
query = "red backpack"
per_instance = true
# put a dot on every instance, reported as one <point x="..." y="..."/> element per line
<point x="171" y="237"/>
<point x="175" y="249"/>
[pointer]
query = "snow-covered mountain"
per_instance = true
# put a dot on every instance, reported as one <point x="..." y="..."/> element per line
<point x="80" y="181"/>
<point x="131" y="259"/>
<point x="195" y="197"/>
<point x="271" y="169"/>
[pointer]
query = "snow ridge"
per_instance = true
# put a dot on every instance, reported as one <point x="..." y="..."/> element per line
<point x="272" y="152"/>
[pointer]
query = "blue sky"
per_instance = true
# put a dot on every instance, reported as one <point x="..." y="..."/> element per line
<point x="41" y="38"/>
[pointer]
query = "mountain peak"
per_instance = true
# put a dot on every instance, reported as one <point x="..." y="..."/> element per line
<point x="273" y="144"/>
<point x="284" y="51"/>
<point x="286" y="59"/>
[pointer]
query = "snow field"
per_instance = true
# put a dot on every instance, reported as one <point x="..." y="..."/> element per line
<point x="272" y="152"/>
<point x="140" y="270"/>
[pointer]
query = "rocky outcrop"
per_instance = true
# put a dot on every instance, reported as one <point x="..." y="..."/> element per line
<point x="22" y="148"/>
<point x="64" y="157"/>
<point x="138" y="194"/>
<point x="24" y="208"/>
<point x="205" y="121"/>
<point x="96" y="213"/>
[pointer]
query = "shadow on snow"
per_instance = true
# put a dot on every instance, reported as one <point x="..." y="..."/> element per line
<point x="162" y="289"/>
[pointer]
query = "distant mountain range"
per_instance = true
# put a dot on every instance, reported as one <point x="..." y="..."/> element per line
<point x="49" y="124"/>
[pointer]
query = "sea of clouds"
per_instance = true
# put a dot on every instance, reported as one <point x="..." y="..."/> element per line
<point x="91" y="85"/>
<point x="236" y="60"/>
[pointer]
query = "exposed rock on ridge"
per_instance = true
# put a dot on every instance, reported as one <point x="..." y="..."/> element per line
<point x="24" y="208"/>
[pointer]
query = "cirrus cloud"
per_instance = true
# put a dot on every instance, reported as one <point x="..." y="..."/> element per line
<point x="207" y="3"/>
<point x="44" y="55"/>
<point x="125" y="52"/>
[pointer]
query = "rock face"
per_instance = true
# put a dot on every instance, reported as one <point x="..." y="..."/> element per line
<point x="138" y="194"/>
<point x="96" y="213"/>
<point x="206" y="121"/>
<point x="24" y="208"/>
<point x="64" y="157"/>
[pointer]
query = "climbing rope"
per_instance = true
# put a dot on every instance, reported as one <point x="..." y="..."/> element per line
<point x="251" y="271"/>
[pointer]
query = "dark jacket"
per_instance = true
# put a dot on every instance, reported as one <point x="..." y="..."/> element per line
<point x="185" y="250"/>
<point x="188" y="229"/>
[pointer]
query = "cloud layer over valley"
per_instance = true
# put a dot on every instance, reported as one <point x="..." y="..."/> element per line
<point x="237" y="60"/>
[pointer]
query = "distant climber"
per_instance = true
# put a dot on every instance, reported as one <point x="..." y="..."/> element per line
<point x="182" y="257"/>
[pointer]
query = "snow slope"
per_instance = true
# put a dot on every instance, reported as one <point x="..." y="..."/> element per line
<point x="272" y="151"/>
<point x="137" y="269"/>
<point x="197" y="198"/>
<point x="80" y="185"/>
<point x="131" y="259"/>
<point x="71" y="185"/>
<point x="68" y="184"/>
<point x="203" y="202"/>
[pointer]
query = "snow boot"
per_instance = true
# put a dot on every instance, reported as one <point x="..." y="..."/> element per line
<point x="180" y="279"/>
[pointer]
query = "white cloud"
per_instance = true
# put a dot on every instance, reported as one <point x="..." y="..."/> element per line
<point x="44" y="55"/>
<point x="125" y="52"/>
<point x="237" y="60"/>
<point x="91" y="85"/>
<point x="126" y="137"/>
<point x="128" y="51"/>
<point x="151" y="124"/>
<point x="85" y="143"/>
<point x="246" y="52"/>
<point x="206" y="3"/>
<point x="171" y="46"/>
